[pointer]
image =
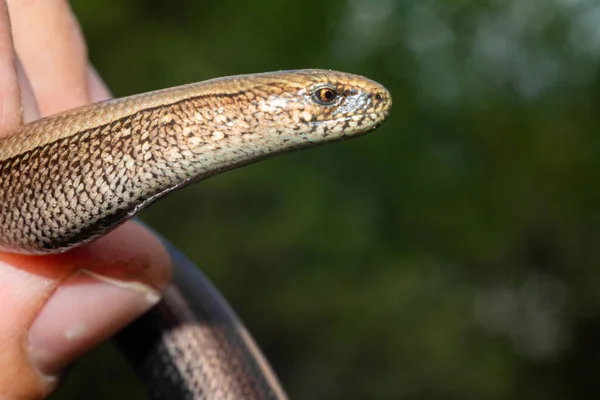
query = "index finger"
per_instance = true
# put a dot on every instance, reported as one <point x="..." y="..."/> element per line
<point x="50" y="44"/>
<point x="10" y="95"/>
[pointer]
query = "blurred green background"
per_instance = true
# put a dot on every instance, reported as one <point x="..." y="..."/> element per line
<point x="452" y="254"/>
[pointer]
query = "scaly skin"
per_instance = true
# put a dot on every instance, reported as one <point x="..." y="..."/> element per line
<point x="69" y="178"/>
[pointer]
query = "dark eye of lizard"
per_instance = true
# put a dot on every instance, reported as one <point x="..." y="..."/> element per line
<point x="325" y="95"/>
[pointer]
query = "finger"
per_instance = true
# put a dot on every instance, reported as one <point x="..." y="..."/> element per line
<point x="10" y="96"/>
<point x="69" y="303"/>
<point x="49" y="43"/>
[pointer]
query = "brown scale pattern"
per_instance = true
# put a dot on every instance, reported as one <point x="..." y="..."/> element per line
<point x="70" y="190"/>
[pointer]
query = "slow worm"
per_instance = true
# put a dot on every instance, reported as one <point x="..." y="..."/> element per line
<point x="72" y="177"/>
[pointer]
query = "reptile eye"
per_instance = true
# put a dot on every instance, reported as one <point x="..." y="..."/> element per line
<point x="325" y="95"/>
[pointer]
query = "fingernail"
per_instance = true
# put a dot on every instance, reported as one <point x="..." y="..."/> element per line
<point x="85" y="309"/>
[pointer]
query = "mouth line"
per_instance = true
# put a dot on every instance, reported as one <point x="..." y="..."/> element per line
<point x="349" y="117"/>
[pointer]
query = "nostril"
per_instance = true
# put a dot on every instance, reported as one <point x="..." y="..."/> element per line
<point x="378" y="97"/>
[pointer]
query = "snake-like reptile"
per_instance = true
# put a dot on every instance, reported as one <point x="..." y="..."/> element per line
<point x="72" y="177"/>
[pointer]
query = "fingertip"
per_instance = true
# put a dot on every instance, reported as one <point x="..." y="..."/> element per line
<point x="58" y="74"/>
<point x="85" y="310"/>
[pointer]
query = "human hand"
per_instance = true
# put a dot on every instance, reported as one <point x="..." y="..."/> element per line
<point x="54" y="308"/>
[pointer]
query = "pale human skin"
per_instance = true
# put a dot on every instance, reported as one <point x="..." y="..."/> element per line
<point x="55" y="308"/>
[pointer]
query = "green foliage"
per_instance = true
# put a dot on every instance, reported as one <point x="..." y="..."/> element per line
<point x="453" y="253"/>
